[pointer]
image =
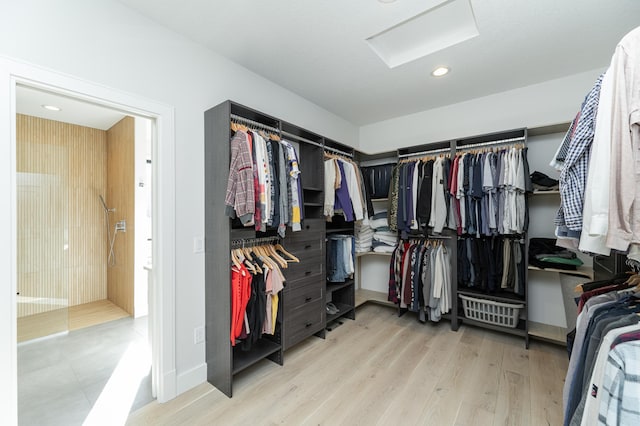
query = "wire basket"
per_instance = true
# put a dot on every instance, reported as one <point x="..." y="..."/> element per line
<point x="491" y="312"/>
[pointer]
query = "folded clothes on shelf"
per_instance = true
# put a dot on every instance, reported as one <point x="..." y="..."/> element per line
<point x="543" y="182"/>
<point x="543" y="253"/>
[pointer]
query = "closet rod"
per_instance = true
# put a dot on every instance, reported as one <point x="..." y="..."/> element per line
<point x="499" y="142"/>
<point x="253" y="123"/>
<point x="251" y="242"/>
<point x="300" y="138"/>
<point x="337" y="151"/>
<point x="428" y="237"/>
<point x="421" y="153"/>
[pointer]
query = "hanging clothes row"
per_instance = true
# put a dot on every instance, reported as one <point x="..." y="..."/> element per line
<point x="599" y="179"/>
<point x="264" y="187"/>
<point x="602" y="385"/>
<point x="344" y="191"/>
<point x="492" y="264"/>
<point x="340" y="251"/>
<point x="476" y="193"/>
<point x="420" y="278"/>
<point x="256" y="281"/>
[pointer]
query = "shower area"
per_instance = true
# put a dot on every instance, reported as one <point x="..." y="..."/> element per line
<point x="82" y="244"/>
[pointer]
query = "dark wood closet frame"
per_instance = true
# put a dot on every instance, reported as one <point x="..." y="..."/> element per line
<point x="302" y="311"/>
<point x="341" y="294"/>
<point x="457" y="315"/>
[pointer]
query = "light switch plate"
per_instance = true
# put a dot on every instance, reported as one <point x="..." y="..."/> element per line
<point x="198" y="244"/>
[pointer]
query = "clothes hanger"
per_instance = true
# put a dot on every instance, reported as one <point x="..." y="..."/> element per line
<point x="275" y="256"/>
<point x="634" y="280"/>
<point x="248" y="251"/>
<point x="291" y="258"/>
<point x="264" y="256"/>
<point x="243" y="259"/>
<point x="235" y="260"/>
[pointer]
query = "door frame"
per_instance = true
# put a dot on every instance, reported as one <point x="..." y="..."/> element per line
<point x="162" y="303"/>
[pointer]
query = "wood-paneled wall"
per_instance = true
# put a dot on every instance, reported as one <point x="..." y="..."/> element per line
<point x="121" y="196"/>
<point x="61" y="173"/>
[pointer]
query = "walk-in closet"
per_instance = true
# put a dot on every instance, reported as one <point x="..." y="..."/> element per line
<point x="344" y="212"/>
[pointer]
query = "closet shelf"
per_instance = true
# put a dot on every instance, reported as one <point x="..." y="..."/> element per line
<point x="244" y="359"/>
<point x="548" y="333"/>
<point x="312" y="188"/>
<point x="331" y="287"/>
<point x="501" y="296"/>
<point x="379" y="199"/>
<point x="539" y="192"/>
<point x="582" y="271"/>
<point x="344" y="309"/>
<point x="338" y="230"/>
<point x="377" y="297"/>
<point x="313" y="204"/>
<point x="372" y="253"/>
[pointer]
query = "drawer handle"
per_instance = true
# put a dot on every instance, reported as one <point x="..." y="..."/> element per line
<point x="308" y="299"/>
<point x="309" y="324"/>
<point x="308" y="226"/>
<point x="307" y="273"/>
<point x="307" y="247"/>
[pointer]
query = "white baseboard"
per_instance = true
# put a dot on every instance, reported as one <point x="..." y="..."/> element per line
<point x="192" y="378"/>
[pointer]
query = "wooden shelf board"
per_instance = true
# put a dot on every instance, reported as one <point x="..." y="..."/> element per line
<point x="337" y="230"/>
<point x="344" y="310"/>
<point x="372" y="253"/>
<point x="371" y="296"/>
<point x="260" y="350"/>
<point x="582" y="271"/>
<point x="379" y="199"/>
<point x="331" y="287"/>
<point x="547" y="332"/>
<point x="539" y="192"/>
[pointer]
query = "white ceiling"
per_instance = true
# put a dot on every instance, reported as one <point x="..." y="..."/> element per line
<point x="29" y="101"/>
<point x="317" y="49"/>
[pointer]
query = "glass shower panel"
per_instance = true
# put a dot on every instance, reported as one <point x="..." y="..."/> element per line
<point x="42" y="231"/>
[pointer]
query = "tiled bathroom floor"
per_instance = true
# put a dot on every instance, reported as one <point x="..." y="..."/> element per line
<point x="100" y="372"/>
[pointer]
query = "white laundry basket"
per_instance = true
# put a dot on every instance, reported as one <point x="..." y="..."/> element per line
<point x="491" y="312"/>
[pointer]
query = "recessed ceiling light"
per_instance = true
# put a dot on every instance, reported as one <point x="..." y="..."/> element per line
<point x="52" y="107"/>
<point x="440" y="71"/>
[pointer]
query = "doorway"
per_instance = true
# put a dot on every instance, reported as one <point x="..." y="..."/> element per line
<point x="84" y="232"/>
<point x="162" y="293"/>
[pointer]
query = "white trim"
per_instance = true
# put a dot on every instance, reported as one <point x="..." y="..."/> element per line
<point x="192" y="378"/>
<point x="13" y="72"/>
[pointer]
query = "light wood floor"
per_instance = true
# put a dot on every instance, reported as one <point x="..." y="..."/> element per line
<point x="381" y="369"/>
<point x="76" y="317"/>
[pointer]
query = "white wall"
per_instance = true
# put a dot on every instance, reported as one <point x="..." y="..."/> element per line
<point x="142" y="223"/>
<point x="545" y="291"/>
<point x="547" y="103"/>
<point x="104" y="42"/>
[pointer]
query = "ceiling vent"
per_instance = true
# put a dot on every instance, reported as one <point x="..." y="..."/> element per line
<point x="435" y="29"/>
